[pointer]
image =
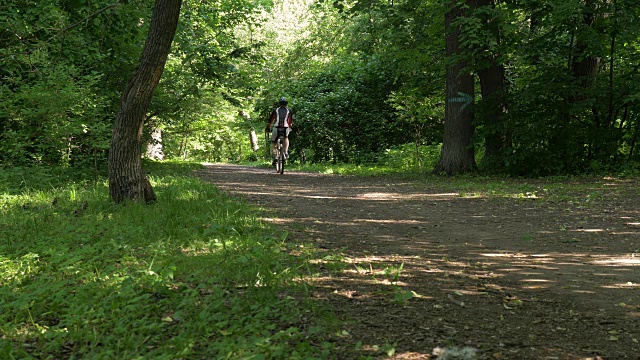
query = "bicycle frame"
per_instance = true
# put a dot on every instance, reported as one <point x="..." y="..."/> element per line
<point x="280" y="160"/>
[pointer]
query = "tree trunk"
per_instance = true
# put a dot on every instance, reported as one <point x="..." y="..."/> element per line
<point x="127" y="180"/>
<point x="154" y="146"/>
<point x="585" y="66"/>
<point x="457" y="154"/>
<point x="492" y="87"/>
<point x="253" y="138"/>
<point x="584" y="69"/>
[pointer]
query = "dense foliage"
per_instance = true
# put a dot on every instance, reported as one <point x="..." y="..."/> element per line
<point x="59" y="69"/>
<point x="360" y="83"/>
<point x="64" y="63"/>
<point x="557" y="80"/>
<point x="566" y="101"/>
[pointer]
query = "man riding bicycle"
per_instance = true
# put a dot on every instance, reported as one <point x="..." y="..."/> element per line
<point x="281" y="120"/>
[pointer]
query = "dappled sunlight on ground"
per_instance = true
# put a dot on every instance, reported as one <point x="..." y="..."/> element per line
<point x="515" y="275"/>
<point x="619" y="262"/>
<point x="397" y="196"/>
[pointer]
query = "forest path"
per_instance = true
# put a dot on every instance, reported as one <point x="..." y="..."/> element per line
<point x="428" y="267"/>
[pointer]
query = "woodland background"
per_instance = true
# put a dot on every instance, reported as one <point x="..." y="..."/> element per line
<point x="518" y="88"/>
<point x="553" y="86"/>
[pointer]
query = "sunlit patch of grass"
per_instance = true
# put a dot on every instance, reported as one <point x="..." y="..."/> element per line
<point x="355" y="169"/>
<point x="16" y="270"/>
<point x="574" y="189"/>
<point x="195" y="275"/>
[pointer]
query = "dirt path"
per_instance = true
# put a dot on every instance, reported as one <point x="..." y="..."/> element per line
<point x="427" y="267"/>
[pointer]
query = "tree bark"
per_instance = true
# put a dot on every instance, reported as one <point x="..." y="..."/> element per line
<point x="584" y="68"/>
<point x="457" y="154"/>
<point x="127" y="180"/>
<point x="154" y="145"/>
<point x="492" y="88"/>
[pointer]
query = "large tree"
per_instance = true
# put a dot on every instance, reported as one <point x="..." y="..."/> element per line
<point x="491" y="73"/>
<point x="457" y="154"/>
<point x="127" y="180"/>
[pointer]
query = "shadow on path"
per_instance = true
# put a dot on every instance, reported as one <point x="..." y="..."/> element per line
<point x="410" y="266"/>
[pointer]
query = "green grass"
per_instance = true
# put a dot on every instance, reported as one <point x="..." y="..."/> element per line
<point x="568" y="188"/>
<point x="346" y="169"/>
<point x="196" y="275"/>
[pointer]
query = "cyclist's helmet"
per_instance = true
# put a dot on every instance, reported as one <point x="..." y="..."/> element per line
<point x="283" y="101"/>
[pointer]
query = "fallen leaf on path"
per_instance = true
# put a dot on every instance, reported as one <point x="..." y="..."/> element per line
<point x="457" y="302"/>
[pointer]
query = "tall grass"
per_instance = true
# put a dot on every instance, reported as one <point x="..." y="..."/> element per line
<point x="196" y="275"/>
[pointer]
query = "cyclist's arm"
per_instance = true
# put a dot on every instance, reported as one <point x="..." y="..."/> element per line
<point x="271" y="119"/>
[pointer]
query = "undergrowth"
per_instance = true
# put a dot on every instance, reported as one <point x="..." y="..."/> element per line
<point x="196" y="275"/>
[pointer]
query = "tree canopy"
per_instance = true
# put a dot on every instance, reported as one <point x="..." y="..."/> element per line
<point x="556" y="82"/>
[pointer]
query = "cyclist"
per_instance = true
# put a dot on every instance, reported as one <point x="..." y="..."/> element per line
<point x="281" y="120"/>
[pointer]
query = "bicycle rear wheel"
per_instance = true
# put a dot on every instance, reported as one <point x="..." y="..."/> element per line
<point x="280" y="161"/>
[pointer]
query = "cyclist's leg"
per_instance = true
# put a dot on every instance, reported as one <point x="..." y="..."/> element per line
<point x="286" y="146"/>
<point x="286" y="142"/>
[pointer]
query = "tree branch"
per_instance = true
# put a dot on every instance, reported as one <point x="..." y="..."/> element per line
<point x="85" y="19"/>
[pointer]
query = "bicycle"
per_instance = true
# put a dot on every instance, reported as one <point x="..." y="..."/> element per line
<point x="280" y="155"/>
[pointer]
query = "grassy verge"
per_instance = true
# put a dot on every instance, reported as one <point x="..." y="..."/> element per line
<point x="565" y="188"/>
<point x="345" y="169"/>
<point x="196" y="275"/>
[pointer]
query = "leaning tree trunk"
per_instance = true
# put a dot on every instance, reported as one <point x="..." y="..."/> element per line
<point x="457" y="154"/>
<point x="127" y="180"/>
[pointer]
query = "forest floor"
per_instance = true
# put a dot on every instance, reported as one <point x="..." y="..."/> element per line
<point x="419" y="265"/>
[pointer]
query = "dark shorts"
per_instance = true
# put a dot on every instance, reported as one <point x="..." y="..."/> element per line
<point x="279" y="131"/>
